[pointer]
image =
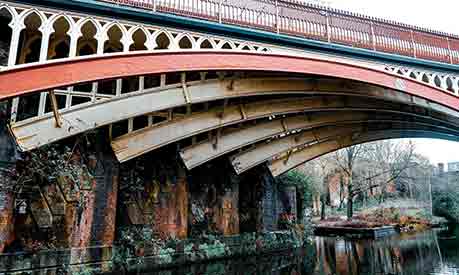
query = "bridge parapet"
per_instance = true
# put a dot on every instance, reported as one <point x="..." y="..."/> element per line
<point x="315" y="22"/>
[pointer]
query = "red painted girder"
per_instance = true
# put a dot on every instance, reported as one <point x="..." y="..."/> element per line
<point x="40" y="77"/>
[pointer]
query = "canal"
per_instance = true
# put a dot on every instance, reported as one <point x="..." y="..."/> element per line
<point x="432" y="252"/>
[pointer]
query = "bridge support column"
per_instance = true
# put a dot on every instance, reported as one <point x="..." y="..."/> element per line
<point x="263" y="201"/>
<point x="7" y="162"/>
<point x="96" y="212"/>
<point x="162" y="204"/>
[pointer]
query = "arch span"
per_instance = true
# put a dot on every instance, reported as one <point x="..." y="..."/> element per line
<point x="283" y="164"/>
<point x="34" y="78"/>
<point x="39" y="131"/>
<point x="266" y="151"/>
<point x="235" y="139"/>
<point x="150" y="138"/>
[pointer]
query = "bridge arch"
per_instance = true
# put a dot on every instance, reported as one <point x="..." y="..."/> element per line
<point x="129" y="64"/>
<point x="294" y="159"/>
<point x="343" y="79"/>
<point x="265" y="151"/>
<point x="76" y="120"/>
<point x="201" y="153"/>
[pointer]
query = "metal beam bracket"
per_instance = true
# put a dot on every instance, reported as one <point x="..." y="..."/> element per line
<point x="284" y="126"/>
<point x="222" y="113"/>
<point x="57" y="116"/>
<point x="216" y="138"/>
<point x="242" y="111"/>
<point x="287" y="158"/>
<point x="186" y="94"/>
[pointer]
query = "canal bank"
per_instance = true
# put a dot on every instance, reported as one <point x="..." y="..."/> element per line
<point x="431" y="252"/>
<point x="127" y="257"/>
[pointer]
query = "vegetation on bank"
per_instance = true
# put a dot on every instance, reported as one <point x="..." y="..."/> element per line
<point x="376" y="184"/>
<point x="445" y="202"/>
<point x="404" y="215"/>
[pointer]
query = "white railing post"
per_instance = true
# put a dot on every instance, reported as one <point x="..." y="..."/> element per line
<point x="277" y="17"/>
<point x="373" y="37"/>
<point x="16" y="27"/>
<point x="413" y="44"/>
<point x="220" y="11"/>
<point x="154" y="5"/>
<point x="450" y="53"/>
<point x="327" y="18"/>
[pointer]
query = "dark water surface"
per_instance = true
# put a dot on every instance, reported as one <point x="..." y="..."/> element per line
<point x="432" y="253"/>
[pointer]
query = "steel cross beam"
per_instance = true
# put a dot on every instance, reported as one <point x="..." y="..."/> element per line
<point x="281" y="165"/>
<point x="234" y="139"/>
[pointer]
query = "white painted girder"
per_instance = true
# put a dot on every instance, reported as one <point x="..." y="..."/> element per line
<point x="263" y="152"/>
<point x="33" y="133"/>
<point x="36" y="132"/>
<point x="284" y="164"/>
<point x="139" y="142"/>
<point x="234" y="139"/>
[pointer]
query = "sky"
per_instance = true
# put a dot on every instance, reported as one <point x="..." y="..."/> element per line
<point x="439" y="15"/>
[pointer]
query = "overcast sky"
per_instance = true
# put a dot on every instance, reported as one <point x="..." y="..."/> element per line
<point x="439" y="15"/>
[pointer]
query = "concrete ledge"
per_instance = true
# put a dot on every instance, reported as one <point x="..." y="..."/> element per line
<point x="363" y="233"/>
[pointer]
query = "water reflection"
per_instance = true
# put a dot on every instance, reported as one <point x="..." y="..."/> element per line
<point x="432" y="252"/>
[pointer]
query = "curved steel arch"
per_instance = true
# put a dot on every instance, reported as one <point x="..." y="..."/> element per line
<point x="33" y="78"/>
<point x="198" y="154"/>
<point x="142" y="141"/>
<point x="265" y="151"/>
<point x="34" y="133"/>
<point x="295" y="159"/>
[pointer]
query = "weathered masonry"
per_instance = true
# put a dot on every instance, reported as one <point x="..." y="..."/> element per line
<point x="141" y="134"/>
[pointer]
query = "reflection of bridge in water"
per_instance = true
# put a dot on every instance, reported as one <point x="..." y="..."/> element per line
<point x="257" y="84"/>
<point x="416" y="254"/>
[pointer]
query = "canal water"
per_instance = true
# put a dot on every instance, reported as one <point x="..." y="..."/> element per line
<point x="428" y="253"/>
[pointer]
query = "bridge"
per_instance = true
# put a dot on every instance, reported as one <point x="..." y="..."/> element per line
<point x="257" y="83"/>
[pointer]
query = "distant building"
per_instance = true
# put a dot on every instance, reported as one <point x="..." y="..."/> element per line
<point x="440" y="169"/>
<point x="453" y="166"/>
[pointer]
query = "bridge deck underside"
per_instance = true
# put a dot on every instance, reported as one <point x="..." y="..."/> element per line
<point x="216" y="105"/>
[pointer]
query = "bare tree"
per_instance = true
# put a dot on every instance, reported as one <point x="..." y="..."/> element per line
<point x="319" y="170"/>
<point x="373" y="165"/>
<point x="345" y="159"/>
<point x="390" y="159"/>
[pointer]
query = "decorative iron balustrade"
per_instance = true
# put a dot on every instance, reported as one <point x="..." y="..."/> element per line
<point x="315" y="22"/>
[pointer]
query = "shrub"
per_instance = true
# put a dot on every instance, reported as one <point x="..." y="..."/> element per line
<point x="445" y="203"/>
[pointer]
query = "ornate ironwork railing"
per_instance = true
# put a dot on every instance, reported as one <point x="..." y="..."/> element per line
<point x="318" y="23"/>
